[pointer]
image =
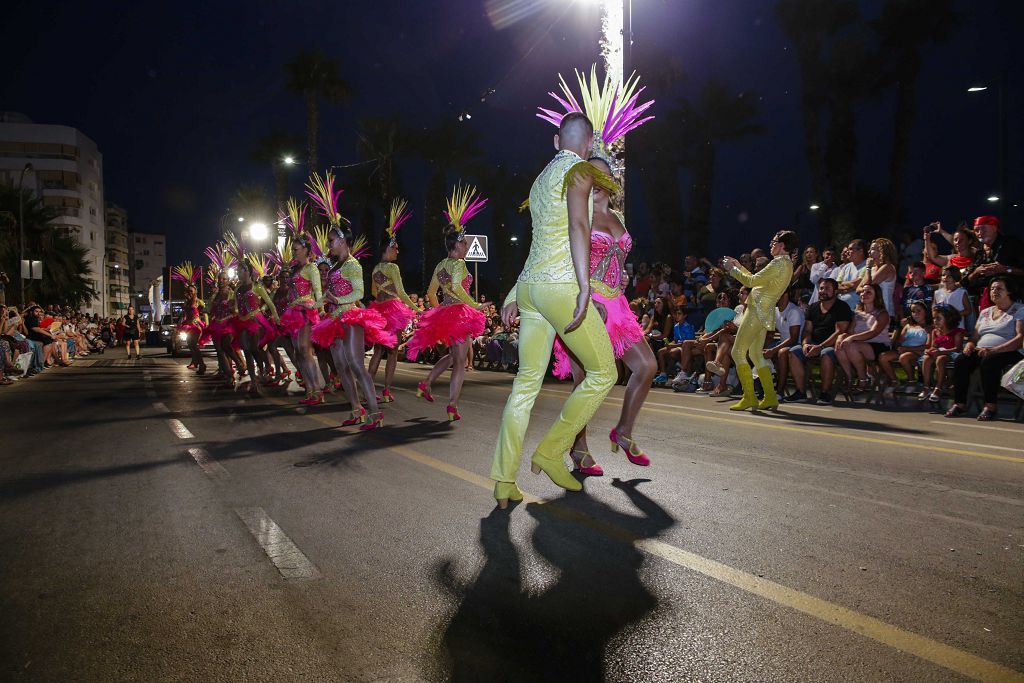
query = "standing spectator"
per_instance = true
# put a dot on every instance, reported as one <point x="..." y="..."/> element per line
<point x="827" y="319"/>
<point x="826" y="268"/>
<point x="1000" y="255"/>
<point x="880" y="269"/>
<point x="994" y="346"/>
<point x="132" y="332"/>
<point x="916" y="289"/>
<point x="852" y="272"/>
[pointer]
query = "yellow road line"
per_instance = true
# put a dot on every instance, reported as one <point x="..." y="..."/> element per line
<point x="700" y="413"/>
<point x="920" y="646"/>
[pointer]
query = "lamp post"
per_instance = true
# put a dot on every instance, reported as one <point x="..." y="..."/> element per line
<point x="21" y="229"/>
<point x="1000" y="84"/>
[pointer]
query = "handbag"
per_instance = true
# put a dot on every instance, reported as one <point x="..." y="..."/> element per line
<point x="1013" y="379"/>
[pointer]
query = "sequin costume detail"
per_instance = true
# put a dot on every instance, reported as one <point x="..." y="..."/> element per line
<point x="392" y="302"/>
<point x="455" y="318"/>
<point x="304" y="293"/>
<point x="345" y="287"/>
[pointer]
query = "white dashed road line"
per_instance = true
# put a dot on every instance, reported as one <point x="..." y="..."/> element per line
<point x="212" y="468"/>
<point x="160" y="407"/>
<point x="179" y="429"/>
<point x="285" y="555"/>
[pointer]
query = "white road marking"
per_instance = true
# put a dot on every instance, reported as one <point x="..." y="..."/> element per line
<point x="212" y="468"/>
<point x="285" y="555"/>
<point x="160" y="407"/>
<point x="179" y="429"/>
<point x="961" y="423"/>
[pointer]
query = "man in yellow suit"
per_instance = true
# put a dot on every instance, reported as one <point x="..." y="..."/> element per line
<point x="766" y="286"/>
<point x="552" y="295"/>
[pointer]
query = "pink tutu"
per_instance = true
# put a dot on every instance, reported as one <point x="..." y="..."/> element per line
<point x="445" y="325"/>
<point x="217" y="330"/>
<point x="373" y="323"/>
<point x="623" y="330"/>
<point x="195" y="328"/>
<point x="296" y="317"/>
<point x="395" y="312"/>
<point x="258" y="325"/>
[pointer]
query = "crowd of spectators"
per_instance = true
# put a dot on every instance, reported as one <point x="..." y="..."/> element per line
<point x="37" y="338"/>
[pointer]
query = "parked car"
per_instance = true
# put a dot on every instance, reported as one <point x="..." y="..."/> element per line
<point x="175" y="342"/>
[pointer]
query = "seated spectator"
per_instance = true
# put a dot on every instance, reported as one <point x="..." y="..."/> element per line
<point x="995" y="345"/>
<point x="642" y="280"/>
<point x="965" y="246"/>
<point x="880" y="269"/>
<point x="945" y="343"/>
<point x="681" y="332"/>
<point x="952" y="294"/>
<point x="826" y="320"/>
<point x="715" y="326"/>
<point x="1000" y="255"/>
<point x="908" y="346"/>
<point x="789" y="320"/>
<point x="656" y="324"/>
<point x="916" y="288"/>
<point x="801" y="281"/>
<point x="705" y="297"/>
<point x="868" y="337"/>
<point x="852" y="272"/>
<point x="41" y="335"/>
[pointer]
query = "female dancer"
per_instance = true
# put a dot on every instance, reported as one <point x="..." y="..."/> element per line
<point x="456" y="319"/>
<point x="610" y="244"/>
<point x="222" y="329"/>
<point x="132" y="332"/>
<point x="283" y="340"/>
<point x="193" y="323"/>
<point x="252" y="325"/>
<point x="302" y="313"/>
<point x="349" y="328"/>
<point x="391" y="301"/>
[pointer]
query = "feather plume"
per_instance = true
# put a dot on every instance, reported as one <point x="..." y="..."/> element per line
<point x="184" y="273"/>
<point x="360" y="247"/>
<point x="294" y="216"/>
<point x="319" y="243"/>
<point x="463" y="205"/>
<point x="259" y="262"/>
<point x="323" y="194"/>
<point x="398" y="215"/>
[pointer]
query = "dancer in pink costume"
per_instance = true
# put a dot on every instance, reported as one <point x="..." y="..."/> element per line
<point x="253" y="327"/>
<point x="302" y="313"/>
<point x="456" y="319"/>
<point x="193" y="318"/>
<point x="390" y="298"/>
<point x="614" y="110"/>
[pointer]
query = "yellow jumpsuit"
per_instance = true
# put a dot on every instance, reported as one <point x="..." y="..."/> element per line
<point x="766" y="286"/>
<point x="546" y="293"/>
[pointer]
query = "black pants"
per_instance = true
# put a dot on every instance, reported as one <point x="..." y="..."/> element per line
<point x="991" y="368"/>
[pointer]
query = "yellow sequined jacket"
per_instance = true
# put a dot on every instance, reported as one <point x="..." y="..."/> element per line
<point x="766" y="286"/>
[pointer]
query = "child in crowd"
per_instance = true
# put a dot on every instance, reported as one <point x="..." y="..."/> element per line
<point x="916" y="288"/>
<point x="909" y="345"/>
<point x="952" y="294"/>
<point x="944" y="345"/>
<point x="672" y="351"/>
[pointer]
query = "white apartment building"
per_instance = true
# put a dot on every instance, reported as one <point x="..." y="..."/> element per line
<point x="148" y="256"/>
<point x="117" y="265"/>
<point x="67" y="172"/>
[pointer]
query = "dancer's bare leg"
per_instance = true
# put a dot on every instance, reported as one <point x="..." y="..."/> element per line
<point x="440" y="366"/>
<point x="458" y="371"/>
<point x="348" y="382"/>
<point x="355" y="353"/>
<point x="641" y="362"/>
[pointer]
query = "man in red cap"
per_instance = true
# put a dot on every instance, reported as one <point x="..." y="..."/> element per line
<point x="1001" y="254"/>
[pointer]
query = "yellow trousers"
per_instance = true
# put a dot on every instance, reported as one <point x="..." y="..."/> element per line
<point x="545" y="309"/>
<point x="749" y="342"/>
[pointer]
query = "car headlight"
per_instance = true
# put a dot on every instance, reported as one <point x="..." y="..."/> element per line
<point x="165" y="333"/>
<point x="183" y="336"/>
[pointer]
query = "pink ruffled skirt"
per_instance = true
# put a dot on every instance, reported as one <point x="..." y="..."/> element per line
<point x="297" y="317"/>
<point x="395" y="312"/>
<point x="196" y="328"/>
<point x="259" y="325"/>
<point x="623" y="330"/>
<point x="328" y="330"/>
<point x="445" y="325"/>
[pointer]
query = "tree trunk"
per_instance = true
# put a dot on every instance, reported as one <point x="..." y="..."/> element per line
<point x="841" y="162"/>
<point x="903" y="124"/>
<point x="312" y="130"/>
<point x="662" y="185"/>
<point x="701" y="193"/>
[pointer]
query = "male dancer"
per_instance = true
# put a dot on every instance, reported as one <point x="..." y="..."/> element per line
<point x="552" y="296"/>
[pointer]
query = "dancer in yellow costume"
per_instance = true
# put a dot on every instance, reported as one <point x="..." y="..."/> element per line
<point x="552" y="296"/>
<point x="766" y="286"/>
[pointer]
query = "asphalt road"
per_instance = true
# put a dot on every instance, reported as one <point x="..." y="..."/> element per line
<point x="158" y="527"/>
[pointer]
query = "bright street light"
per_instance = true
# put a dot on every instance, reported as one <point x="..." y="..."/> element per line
<point x="241" y="219"/>
<point x="514" y="238"/>
<point x="993" y="198"/>
<point x="813" y="207"/>
<point x="977" y="88"/>
<point x="289" y="160"/>
<point x="258" y="231"/>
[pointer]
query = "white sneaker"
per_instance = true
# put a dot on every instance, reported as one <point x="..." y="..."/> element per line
<point x="682" y="378"/>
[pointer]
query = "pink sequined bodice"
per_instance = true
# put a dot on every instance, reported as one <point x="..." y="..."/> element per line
<point x="248" y="302"/>
<point x="608" y="258"/>
<point x="337" y="284"/>
<point x="467" y="282"/>
<point x="299" y="286"/>
<point x="221" y="308"/>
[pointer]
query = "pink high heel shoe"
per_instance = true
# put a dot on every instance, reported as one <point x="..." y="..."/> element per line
<point x="376" y="422"/>
<point x="422" y="391"/>
<point x="453" y="413"/>
<point x="633" y="452"/>
<point x="589" y="470"/>
<point x="358" y="418"/>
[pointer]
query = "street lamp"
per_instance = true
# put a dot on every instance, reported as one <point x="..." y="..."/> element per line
<point x="21" y="228"/>
<point x="241" y="219"/>
<point x="514" y="238"/>
<point x="258" y="231"/>
<point x="1000" y="84"/>
<point x="289" y="160"/>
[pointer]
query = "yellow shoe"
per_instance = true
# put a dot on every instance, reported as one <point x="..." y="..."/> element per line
<point x="556" y="471"/>
<point x="505" y="491"/>
<point x="745" y="402"/>
<point x="771" y="399"/>
<point x="749" y="399"/>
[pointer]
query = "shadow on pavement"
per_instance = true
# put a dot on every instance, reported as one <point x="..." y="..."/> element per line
<point x="505" y="631"/>
<point x="409" y="432"/>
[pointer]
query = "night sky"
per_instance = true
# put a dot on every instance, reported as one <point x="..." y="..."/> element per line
<point x="176" y="94"/>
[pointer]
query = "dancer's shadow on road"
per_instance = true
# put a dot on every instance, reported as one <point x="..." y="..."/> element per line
<point x="504" y="631"/>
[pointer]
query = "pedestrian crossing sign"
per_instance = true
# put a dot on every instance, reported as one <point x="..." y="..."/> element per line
<point x="477" y="251"/>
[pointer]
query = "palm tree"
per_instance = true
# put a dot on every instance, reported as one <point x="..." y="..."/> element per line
<point x="719" y="116"/>
<point x="273" y="148"/>
<point x="66" y="270"/>
<point x="382" y="141"/>
<point x="904" y="29"/>
<point x="314" y="76"/>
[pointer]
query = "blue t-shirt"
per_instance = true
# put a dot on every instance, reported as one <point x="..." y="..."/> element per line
<point x="912" y="293"/>
<point x="682" y="331"/>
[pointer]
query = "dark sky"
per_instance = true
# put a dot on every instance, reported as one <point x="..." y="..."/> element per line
<point x="175" y="95"/>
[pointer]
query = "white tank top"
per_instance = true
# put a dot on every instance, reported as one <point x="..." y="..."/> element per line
<point x="954" y="298"/>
